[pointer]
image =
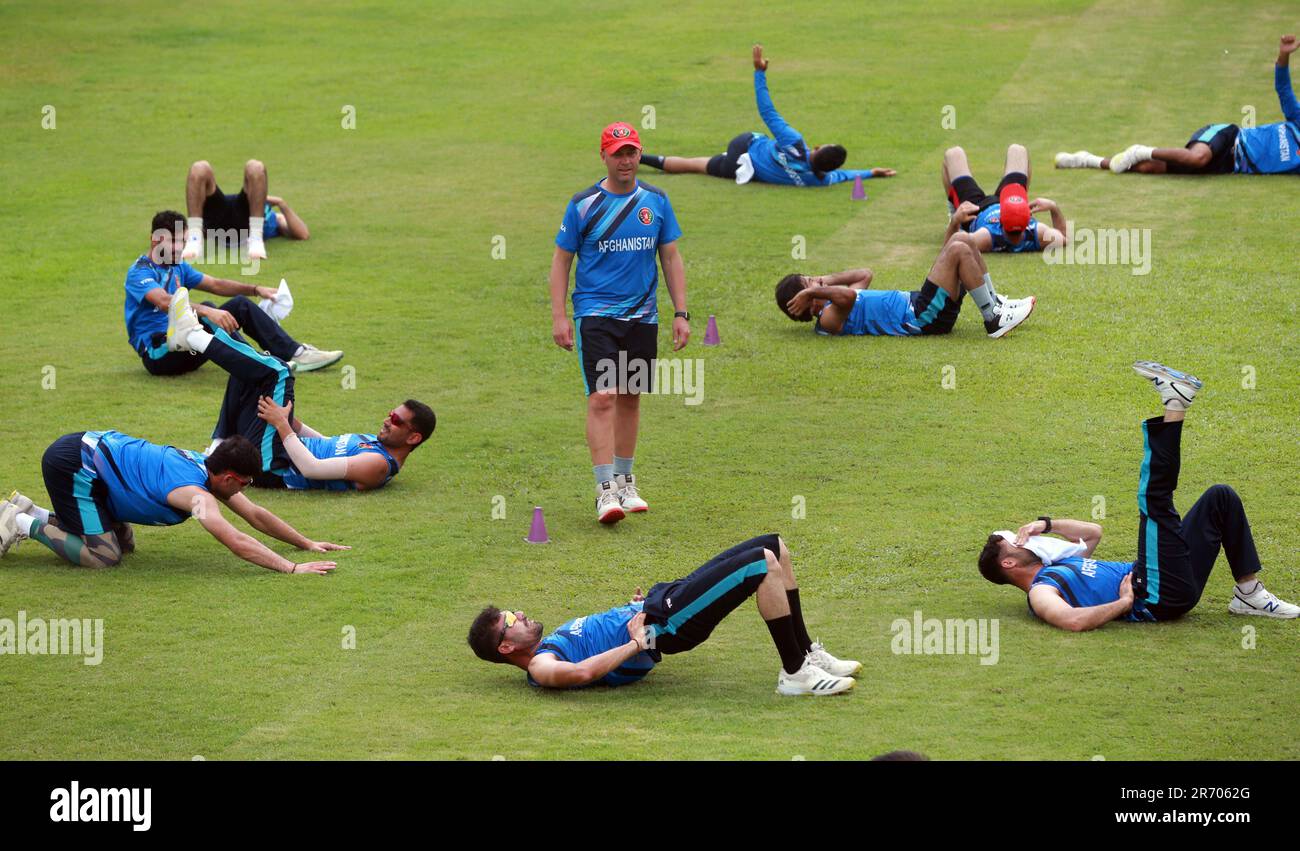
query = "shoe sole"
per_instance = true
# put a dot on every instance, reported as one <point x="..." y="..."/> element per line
<point x="1002" y="332"/>
<point x="612" y="517"/>
<point x="637" y="510"/>
<point x="804" y="692"/>
<point x="312" y="367"/>
<point x="1261" y="614"/>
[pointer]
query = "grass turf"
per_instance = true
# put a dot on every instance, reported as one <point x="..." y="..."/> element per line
<point x="478" y="122"/>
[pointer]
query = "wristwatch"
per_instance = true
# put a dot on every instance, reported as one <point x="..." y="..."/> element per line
<point x="683" y="314"/>
<point x="1048" y="521"/>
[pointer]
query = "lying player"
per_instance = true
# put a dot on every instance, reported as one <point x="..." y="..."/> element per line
<point x="1071" y="590"/>
<point x="153" y="279"/>
<point x="842" y="304"/>
<point x="621" y="645"/>
<point x="210" y="209"/>
<point x="99" y="482"/>
<point x="259" y="405"/>
<point x="1219" y="148"/>
<point x="1004" y="220"/>
<point x="784" y="159"/>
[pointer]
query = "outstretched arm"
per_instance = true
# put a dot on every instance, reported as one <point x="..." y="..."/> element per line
<point x="1282" y="79"/>
<point x="203" y="505"/>
<point x="1049" y="606"/>
<point x="842" y="175"/>
<point x="784" y="133"/>
<point x="268" y="523"/>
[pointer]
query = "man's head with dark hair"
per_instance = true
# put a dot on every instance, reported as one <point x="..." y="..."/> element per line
<point x="786" y="289"/>
<point x="408" y="425"/>
<point x="232" y="466"/>
<point x="167" y="237"/>
<point x="1000" y="558"/>
<point x="827" y="158"/>
<point x="496" y="636"/>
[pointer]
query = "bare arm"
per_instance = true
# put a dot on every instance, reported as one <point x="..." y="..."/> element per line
<point x="960" y="216"/>
<point x="205" y="508"/>
<point x="224" y="287"/>
<point x="366" y="471"/>
<point x="268" y="523"/>
<point x="1071" y="530"/>
<point x="294" y="226"/>
<point x="675" y="278"/>
<point x="1058" y="233"/>
<point x="1049" y="606"/>
<point x="856" y="279"/>
<point x="562" y="327"/>
<point x="549" y="671"/>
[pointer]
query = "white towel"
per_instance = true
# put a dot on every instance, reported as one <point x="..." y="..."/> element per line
<point x="744" y="169"/>
<point x="278" y="308"/>
<point x="1049" y="550"/>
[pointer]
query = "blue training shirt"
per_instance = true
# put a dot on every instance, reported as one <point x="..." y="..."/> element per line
<point x="591" y="635"/>
<point x="616" y="238"/>
<point x="143" y="320"/>
<point x="990" y="219"/>
<point x="138" y="475"/>
<point x="1273" y="148"/>
<point x="1084" y="582"/>
<point x="784" y="159"/>
<point x="342" y="446"/>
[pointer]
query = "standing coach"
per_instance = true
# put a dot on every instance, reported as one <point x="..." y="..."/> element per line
<point x="616" y="227"/>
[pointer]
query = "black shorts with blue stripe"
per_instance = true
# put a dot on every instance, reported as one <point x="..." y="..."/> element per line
<point x="1222" y="140"/>
<point x="77" y="496"/>
<point x="685" y="612"/>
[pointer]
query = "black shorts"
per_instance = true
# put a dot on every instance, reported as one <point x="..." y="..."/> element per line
<point x="685" y="612"/>
<point x="724" y="165"/>
<point x="1221" y="138"/>
<point x="617" y="354"/>
<point x="966" y="189"/>
<point x="77" y="496"/>
<point x="226" y="212"/>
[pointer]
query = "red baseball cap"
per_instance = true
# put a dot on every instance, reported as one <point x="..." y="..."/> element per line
<point x="617" y="135"/>
<point x="1014" y="199"/>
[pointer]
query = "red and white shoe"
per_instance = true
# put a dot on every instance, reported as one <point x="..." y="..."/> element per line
<point x="628" y="497"/>
<point x="608" y="509"/>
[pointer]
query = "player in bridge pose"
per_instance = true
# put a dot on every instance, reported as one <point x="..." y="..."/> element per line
<point x="1069" y="589"/>
<point x="621" y="645"/>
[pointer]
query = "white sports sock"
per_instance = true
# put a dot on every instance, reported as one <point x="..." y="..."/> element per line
<point x="1255" y="585"/>
<point x="24" y="522"/>
<point x="1091" y="160"/>
<point x="41" y="514"/>
<point x="255" y="224"/>
<point x="198" y="340"/>
<point x="195" y="228"/>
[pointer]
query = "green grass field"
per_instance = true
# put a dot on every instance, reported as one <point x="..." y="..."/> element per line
<point x="479" y="122"/>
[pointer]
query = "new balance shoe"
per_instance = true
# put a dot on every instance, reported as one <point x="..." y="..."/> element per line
<point x="1011" y="312"/>
<point x="10" y="534"/>
<point x="810" y="679"/>
<point x="181" y="320"/>
<point x="1177" y="389"/>
<point x="828" y="663"/>
<point x="608" y="508"/>
<point x="312" y="358"/>
<point x="1129" y="157"/>
<point x="628" y="497"/>
<point x="1261" y="602"/>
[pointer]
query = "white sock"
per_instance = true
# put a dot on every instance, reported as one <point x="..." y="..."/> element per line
<point x="195" y="226"/>
<point x="1091" y="160"/>
<point x="41" y="514"/>
<point x="255" y="224"/>
<point x="24" y="522"/>
<point x="198" y="340"/>
<point x="986" y="299"/>
<point x="1254" y="584"/>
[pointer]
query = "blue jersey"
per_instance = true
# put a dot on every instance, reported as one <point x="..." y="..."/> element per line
<point x="990" y="219"/>
<point x="784" y="159"/>
<point x="270" y="224"/>
<point x="877" y="312"/>
<point x="1084" y="582"/>
<point x="342" y="446"/>
<point x="143" y="320"/>
<point x="582" y="638"/>
<point x="138" y="476"/>
<point x="616" y="238"/>
<point x="1273" y="148"/>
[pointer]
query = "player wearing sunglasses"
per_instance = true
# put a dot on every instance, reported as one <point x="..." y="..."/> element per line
<point x="100" y="482"/>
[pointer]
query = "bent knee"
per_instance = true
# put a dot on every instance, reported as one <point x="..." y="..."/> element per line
<point x="1223" y="493"/>
<point x="201" y="168"/>
<point x="254" y="167"/>
<point x="955" y="151"/>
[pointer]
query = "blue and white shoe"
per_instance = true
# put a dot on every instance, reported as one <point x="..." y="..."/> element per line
<point x="1261" y="602"/>
<point x="1177" y="389"/>
<point x="810" y="679"/>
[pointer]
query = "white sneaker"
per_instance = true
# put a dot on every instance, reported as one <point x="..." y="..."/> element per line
<point x="1078" y="159"/>
<point x="810" y="679"/>
<point x="24" y="504"/>
<point x="193" y="250"/>
<point x="256" y="247"/>
<point x="828" y="663"/>
<point x="628" y="497"/>
<point x="10" y="534"/>
<point x="608" y="509"/>
<point x="312" y="358"/>
<point x="181" y="320"/>
<point x="1177" y="389"/>
<point x="1261" y="602"/>
<point x="1129" y="157"/>
<point x="1011" y="312"/>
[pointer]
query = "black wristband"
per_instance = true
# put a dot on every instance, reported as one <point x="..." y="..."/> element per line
<point x="683" y="314"/>
<point x="1048" y="521"/>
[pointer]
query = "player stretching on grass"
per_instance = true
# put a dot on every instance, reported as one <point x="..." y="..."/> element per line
<point x="784" y="159"/>
<point x="259" y="405"/>
<point x="1219" y="148"/>
<point x="1004" y="220"/>
<point x="842" y="304"/>
<point x="153" y="279"/>
<point x="617" y="227"/>
<point x="621" y="645"/>
<point x="247" y="216"/>
<point x="1071" y="590"/>
<point x="99" y="482"/>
